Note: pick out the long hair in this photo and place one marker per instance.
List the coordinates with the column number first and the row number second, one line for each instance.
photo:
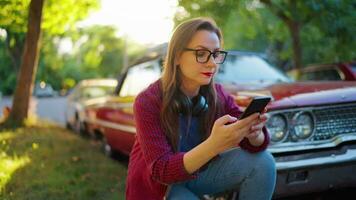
column 171, row 81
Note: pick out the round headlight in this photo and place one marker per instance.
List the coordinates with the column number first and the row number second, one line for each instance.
column 277, row 127
column 303, row 125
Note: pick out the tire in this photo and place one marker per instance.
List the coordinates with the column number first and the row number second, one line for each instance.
column 77, row 125
column 80, row 127
column 98, row 135
column 68, row 126
column 107, row 150
column 84, row 130
column 111, row 153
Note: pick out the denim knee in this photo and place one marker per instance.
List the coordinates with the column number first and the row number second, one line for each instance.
column 266, row 161
column 265, row 168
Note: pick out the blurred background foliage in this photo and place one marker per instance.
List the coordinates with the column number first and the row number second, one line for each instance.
column 69, row 52
column 324, row 32
column 326, row 28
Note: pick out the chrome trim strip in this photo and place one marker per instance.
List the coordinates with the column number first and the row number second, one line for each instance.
column 298, row 146
column 350, row 155
column 126, row 128
column 115, row 106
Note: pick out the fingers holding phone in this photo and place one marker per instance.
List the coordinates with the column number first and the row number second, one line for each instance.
column 227, row 131
column 256, row 129
column 243, row 126
column 257, row 105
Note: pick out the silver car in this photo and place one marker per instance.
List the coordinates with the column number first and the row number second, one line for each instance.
column 86, row 92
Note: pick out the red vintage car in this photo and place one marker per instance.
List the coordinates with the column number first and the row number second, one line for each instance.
column 312, row 124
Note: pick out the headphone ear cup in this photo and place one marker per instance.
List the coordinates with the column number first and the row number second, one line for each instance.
column 182, row 104
column 200, row 105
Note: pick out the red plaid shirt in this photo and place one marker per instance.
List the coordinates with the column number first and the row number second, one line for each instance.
column 153, row 165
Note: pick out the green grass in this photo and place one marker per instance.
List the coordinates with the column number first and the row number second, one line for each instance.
column 49, row 162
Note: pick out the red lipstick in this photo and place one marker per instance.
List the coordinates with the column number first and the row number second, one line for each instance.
column 208, row 74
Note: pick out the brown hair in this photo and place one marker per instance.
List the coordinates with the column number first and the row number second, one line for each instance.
column 171, row 80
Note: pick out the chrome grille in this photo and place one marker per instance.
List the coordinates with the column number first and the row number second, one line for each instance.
column 334, row 121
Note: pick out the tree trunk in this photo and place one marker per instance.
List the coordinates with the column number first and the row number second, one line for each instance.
column 26, row 76
column 294, row 29
column 293, row 26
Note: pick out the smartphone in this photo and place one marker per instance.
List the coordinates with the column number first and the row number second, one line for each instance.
column 257, row 104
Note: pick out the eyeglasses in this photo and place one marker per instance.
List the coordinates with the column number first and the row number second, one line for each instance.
column 203, row 55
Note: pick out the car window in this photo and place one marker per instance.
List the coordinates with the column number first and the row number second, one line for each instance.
column 139, row 77
column 321, row 75
column 248, row 68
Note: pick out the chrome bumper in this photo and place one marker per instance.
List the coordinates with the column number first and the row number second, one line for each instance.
column 315, row 174
column 349, row 156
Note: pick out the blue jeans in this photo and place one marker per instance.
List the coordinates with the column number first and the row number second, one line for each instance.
column 253, row 175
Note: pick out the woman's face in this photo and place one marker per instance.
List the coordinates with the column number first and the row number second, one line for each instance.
column 195, row 74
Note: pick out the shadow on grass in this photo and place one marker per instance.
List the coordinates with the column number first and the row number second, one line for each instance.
column 59, row 165
column 115, row 155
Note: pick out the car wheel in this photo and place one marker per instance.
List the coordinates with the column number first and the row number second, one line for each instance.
column 83, row 130
column 80, row 127
column 68, row 126
column 107, row 148
column 111, row 153
column 98, row 135
column 77, row 125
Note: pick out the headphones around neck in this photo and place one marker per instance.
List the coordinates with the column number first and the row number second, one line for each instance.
column 195, row 106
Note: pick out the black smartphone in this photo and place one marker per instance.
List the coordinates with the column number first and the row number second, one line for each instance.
column 257, row 104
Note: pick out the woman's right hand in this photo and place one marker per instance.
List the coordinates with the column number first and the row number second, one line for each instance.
column 227, row 131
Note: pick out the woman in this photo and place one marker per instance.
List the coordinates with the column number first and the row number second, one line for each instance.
column 187, row 128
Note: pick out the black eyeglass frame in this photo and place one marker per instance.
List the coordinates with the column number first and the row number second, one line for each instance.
column 210, row 53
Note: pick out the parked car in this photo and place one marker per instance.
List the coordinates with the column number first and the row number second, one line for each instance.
column 43, row 89
column 86, row 92
column 328, row 72
column 312, row 124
